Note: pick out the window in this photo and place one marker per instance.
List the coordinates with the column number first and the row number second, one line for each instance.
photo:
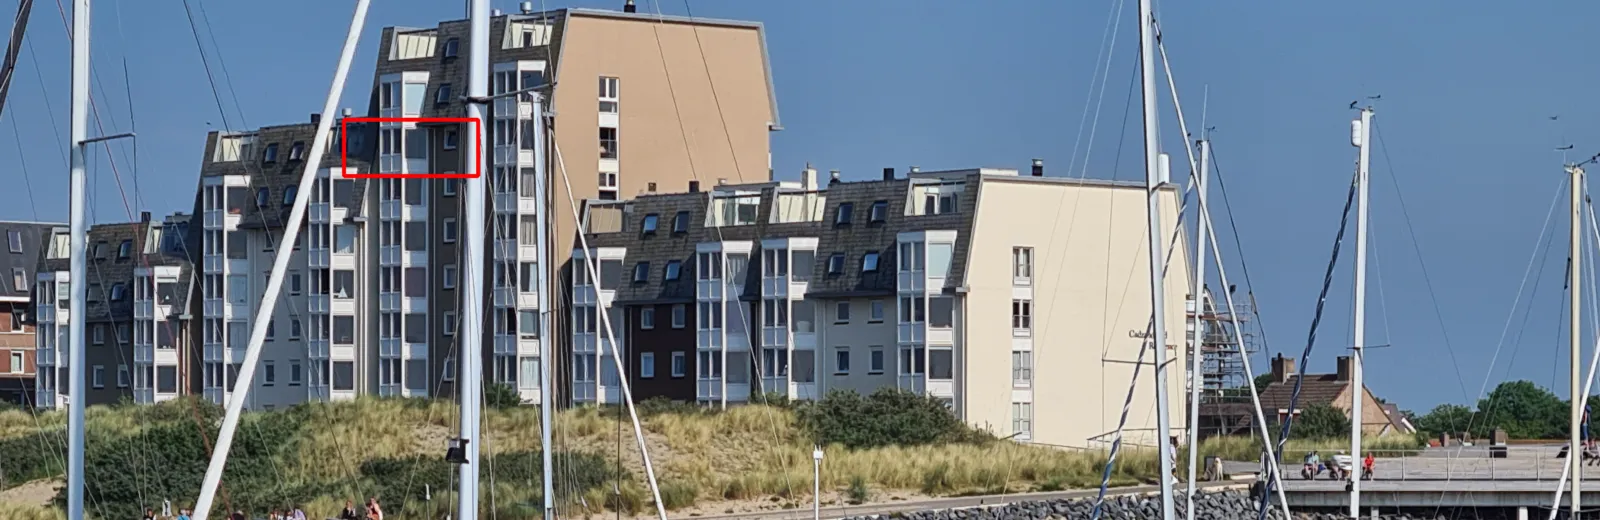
column 841, row 361
column 1021, row 368
column 680, row 222
column 344, row 375
column 528, row 323
column 608, row 180
column 262, row 197
column 123, row 376
column 442, row 97
column 271, row 154
column 288, row 195
column 836, row 264
column 880, row 211
column 842, row 312
column 125, row 249
column 1022, row 264
column 451, row 47
column 674, row 270
column 842, row 218
column 448, row 371
column 941, row 363
column 449, row 188
column 875, row 360
column 452, row 139
column 608, row 95
column 680, row 364
column 296, row 374
column 450, row 231
column 294, row 328
column 913, row 309
column 118, row 292
column 297, row 151
column 449, row 274
column 877, row 312
column 449, row 325
column 641, row 272
column 344, row 330
column 269, row 373
column 99, row 376
column 99, row 334
column 1022, row 317
column 941, row 312
column 678, row 318
column 14, row 239
column 647, row 365
column 608, row 143
column 913, row 360
column 648, row 227
column 869, row 262
column 1022, row 420
column 16, row 362
column 296, row 283
column 647, row 318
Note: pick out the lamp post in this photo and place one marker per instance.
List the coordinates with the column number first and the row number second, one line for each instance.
column 816, row 482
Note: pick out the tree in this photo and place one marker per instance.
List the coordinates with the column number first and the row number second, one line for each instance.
column 500, row 395
column 1320, row 421
column 1445, row 418
column 1262, row 381
column 1524, row 410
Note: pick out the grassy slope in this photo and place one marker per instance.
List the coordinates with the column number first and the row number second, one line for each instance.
column 748, row 454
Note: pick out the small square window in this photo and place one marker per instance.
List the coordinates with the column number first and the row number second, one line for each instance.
column 869, row 262
column 647, row 365
column 263, row 196
column 449, row 275
column 125, row 250
column 674, row 270
column 842, row 313
column 680, row 364
column 649, row 225
column 451, row 47
column 842, row 218
column 679, row 316
column 449, row 325
column 680, row 222
column 641, row 272
column 118, row 292
column 451, row 186
column 288, row 195
column 877, row 312
column 880, row 211
column 836, row 263
column 14, row 239
column 450, row 231
column 875, row 360
column 271, row 154
column 452, row 139
column 297, row 151
column 647, row 318
column 841, row 361
column 443, row 96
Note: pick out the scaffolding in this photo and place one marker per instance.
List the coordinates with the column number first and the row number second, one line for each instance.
column 1222, row 376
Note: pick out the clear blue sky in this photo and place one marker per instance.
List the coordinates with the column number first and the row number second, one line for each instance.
column 1468, row 88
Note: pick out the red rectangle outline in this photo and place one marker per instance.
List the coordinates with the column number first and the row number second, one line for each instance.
column 344, row 147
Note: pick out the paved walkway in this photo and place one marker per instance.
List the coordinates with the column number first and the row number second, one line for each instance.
column 1526, row 463
column 949, row 503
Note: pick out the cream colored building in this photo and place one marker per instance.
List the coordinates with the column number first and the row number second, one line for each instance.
column 1020, row 301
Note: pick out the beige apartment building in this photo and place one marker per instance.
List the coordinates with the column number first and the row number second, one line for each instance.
column 371, row 305
column 1022, row 301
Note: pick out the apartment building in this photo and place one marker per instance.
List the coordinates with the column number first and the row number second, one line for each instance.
column 25, row 244
column 136, row 314
column 992, row 291
column 379, row 315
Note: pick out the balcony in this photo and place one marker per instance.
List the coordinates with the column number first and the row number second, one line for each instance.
column 213, row 307
column 913, row 383
column 144, row 310
column 709, row 389
column 213, row 219
column 213, row 264
column 320, row 213
column 912, row 281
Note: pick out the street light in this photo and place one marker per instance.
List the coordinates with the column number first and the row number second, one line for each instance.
column 816, row 481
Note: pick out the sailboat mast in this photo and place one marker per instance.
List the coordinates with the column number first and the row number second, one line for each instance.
column 1158, row 333
column 472, row 300
column 79, row 275
column 1361, row 137
column 1197, row 336
column 1574, row 452
column 547, row 394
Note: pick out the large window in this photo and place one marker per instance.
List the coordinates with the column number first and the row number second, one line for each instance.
column 608, row 143
column 1021, row 368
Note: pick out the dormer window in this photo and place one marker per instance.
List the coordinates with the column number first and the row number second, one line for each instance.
column 842, row 218
column 118, row 292
column 262, row 197
column 125, row 249
column 649, row 227
column 297, row 151
column 674, row 270
column 880, row 211
column 452, row 139
column 680, row 223
column 641, row 272
column 836, row 264
column 271, row 155
column 452, row 47
column 288, row 195
column 443, row 96
column 869, row 262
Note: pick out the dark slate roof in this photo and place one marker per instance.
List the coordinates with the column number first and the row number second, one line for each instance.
column 35, row 235
column 854, row 240
column 281, row 173
column 107, row 270
column 1318, row 389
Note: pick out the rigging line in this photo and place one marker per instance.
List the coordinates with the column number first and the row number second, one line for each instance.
column 27, row 179
column 1311, row 339
column 49, row 107
column 1383, row 297
column 222, row 62
column 1427, row 279
column 8, row 69
column 1116, row 166
column 1101, row 75
column 210, row 78
column 1238, row 244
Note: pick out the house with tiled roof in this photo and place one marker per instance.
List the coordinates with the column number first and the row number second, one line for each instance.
column 1334, row 390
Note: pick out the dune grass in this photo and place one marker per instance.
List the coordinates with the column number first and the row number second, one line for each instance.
column 1244, row 448
column 746, row 453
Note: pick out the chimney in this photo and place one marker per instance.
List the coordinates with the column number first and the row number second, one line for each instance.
column 629, row 7
column 1282, row 368
column 1345, row 368
column 833, row 177
column 527, row 8
column 888, row 174
column 144, row 216
column 694, row 186
column 1038, row 167
column 914, row 169
column 808, row 178
column 651, row 188
column 494, row 13
column 347, row 112
column 316, row 118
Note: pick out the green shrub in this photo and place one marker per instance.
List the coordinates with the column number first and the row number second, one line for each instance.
column 501, row 396
column 887, row 417
column 678, row 494
column 857, row 492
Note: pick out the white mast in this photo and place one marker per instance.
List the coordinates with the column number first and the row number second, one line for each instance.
column 546, row 389
column 1574, row 452
column 1197, row 336
column 1361, row 137
column 470, row 392
column 1158, row 333
column 280, row 264
column 79, row 276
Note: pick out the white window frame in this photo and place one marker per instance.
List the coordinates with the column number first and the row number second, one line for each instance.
column 841, row 369
column 841, row 312
column 647, row 365
column 680, row 364
column 124, row 376
column 680, row 314
column 449, row 325
column 1021, row 317
column 1022, row 368
column 14, row 239
column 451, row 231
column 99, row 376
column 1022, row 265
column 610, row 95
column 875, row 360
column 1022, row 420
column 647, row 318
column 449, row 274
